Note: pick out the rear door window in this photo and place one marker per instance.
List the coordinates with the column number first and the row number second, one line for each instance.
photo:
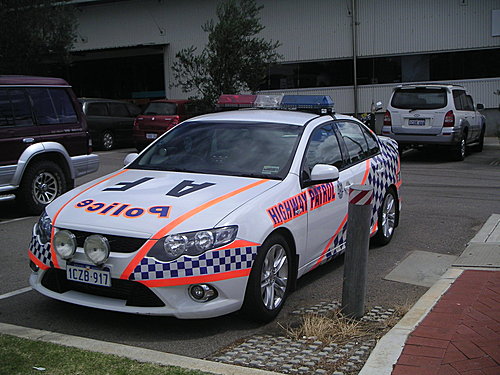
column 52, row 106
column 97, row 109
column 15, row 108
column 118, row 110
column 419, row 98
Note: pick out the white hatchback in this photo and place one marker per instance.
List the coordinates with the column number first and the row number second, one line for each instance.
column 223, row 212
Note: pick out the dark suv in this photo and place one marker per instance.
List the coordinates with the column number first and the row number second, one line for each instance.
column 110, row 122
column 44, row 140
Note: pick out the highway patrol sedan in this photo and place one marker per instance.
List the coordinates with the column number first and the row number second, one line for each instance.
column 222, row 213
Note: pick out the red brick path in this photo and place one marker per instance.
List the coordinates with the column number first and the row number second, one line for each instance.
column 461, row 335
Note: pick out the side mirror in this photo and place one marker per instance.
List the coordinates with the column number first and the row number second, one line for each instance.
column 324, row 173
column 130, row 158
column 479, row 106
column 376, row 107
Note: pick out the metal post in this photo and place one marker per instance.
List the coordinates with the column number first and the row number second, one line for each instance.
column 356, row 254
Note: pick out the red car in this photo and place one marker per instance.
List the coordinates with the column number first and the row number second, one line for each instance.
column 158, row 117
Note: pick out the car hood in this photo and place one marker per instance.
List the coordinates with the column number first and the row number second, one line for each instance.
column 139, row 203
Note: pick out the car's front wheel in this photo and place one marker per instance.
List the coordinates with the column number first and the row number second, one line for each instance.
column 387, row 219
column 269, row 282
column 42, row 182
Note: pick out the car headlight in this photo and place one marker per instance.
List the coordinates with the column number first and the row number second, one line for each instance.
column 97, row 248
column 65, row 243
column 193, row 243
column 43, row 228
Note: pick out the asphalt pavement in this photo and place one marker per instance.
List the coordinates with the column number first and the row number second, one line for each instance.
column 467, row 196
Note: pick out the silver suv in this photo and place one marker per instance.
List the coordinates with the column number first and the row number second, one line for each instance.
column 442, row 115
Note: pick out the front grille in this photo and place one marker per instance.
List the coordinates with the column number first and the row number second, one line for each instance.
column 118, row 244
column 133, row 292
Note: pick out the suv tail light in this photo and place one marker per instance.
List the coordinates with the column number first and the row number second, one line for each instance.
column 449, row 120
column 387, row 119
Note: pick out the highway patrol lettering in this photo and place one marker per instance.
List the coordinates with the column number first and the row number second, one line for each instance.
column 288, row 209
column 320, row 195
column 122, row 209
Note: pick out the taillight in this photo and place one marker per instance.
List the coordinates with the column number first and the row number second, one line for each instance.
column 387, row 119
column 173, row 122
column 136, row 123
column 449, row 120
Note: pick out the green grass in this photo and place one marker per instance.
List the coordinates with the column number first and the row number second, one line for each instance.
column 20, row 356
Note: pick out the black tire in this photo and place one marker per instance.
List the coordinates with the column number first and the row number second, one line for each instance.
column 262, row 303
column 387, row 219
column 459, row 150
column 42, row 182
column 479, row 147
column 107, row 141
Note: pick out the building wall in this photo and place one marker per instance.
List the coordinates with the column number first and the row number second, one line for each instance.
column 308, row 30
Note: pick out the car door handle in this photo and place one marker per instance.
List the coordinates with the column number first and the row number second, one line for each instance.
column 347, row 186
column 380, row 169
column 28, row 140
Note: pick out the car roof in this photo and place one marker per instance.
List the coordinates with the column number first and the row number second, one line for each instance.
column 100, row 100
column 177, row 101
column 21, row 80
column 430, row 85
column 259, row 115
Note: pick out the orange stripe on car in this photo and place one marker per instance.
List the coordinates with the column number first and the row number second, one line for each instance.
column 196, row 279
column 174, row 223
column 367, row 171
column 52, row 250
column 330, row 242
column 37, row 261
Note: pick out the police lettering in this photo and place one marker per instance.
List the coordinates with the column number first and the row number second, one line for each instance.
column 288, row 209
column 320, row 195
column 122, row 209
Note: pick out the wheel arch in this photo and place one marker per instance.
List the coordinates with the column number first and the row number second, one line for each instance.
column 290, row 240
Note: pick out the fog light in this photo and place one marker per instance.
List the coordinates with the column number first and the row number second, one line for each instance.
column 65, row 244
column 33, row 266
column 202, row 292
column 97, row 248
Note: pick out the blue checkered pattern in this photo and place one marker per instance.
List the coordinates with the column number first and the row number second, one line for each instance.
column 388, row 158
column 42, row 252
column 211, row 262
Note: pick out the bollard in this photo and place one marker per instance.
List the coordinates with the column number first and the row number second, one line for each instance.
column 356, row 254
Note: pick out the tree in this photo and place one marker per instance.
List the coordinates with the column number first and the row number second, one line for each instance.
column 35, row 33
column 234, row 59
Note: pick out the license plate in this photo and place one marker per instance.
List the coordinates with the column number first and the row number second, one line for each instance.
column 88, row 274
column 416, row 122
column 151, row 135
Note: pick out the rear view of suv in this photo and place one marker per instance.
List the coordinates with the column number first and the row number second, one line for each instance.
column 44, row 141
column 441, row 115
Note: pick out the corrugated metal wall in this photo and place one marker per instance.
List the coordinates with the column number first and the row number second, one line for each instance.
column 308, row 30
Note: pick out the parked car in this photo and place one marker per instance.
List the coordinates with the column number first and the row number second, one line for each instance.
column 110, row 122
column 439, row 115
column 44, row 140
column 158, row 117
column 224, row 212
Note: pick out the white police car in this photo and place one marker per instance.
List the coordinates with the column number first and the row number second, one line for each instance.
column 223, row 212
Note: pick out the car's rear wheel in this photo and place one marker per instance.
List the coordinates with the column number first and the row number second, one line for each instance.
column 42, row 182
column 480, row 145
column 459, row 150
column 107, row 140
column 387, row 219
column 269, row 282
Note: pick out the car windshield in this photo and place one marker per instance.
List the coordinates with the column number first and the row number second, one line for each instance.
column 235, row 149
column 419, row 98
column 158, row 108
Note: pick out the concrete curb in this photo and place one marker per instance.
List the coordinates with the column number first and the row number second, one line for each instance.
column 138, row 354
column 389, row 348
